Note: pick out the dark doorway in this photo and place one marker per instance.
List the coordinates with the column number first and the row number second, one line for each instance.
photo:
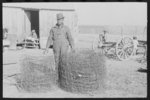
column 35, row 21
column 33, row 17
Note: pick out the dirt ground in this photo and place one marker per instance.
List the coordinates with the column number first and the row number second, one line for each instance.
column 123, row 78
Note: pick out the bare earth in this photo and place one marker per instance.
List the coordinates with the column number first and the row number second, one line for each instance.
column 123, row 78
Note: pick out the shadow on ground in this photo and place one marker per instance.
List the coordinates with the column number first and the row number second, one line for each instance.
column 112, row 57
column 142, row 70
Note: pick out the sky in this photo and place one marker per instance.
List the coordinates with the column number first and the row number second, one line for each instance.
column 111, row 13
column 102, row 13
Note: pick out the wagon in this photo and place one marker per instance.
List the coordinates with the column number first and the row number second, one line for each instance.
column 123, row 48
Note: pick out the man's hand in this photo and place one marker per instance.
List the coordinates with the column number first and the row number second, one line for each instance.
column 45, row 51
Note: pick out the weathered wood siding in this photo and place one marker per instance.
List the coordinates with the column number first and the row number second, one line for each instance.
column 27, row 24
column 13, row 20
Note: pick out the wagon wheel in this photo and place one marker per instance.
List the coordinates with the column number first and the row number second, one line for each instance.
column 124, row 48
column 97, row 45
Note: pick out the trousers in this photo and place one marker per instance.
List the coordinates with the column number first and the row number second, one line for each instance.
column 59, row 48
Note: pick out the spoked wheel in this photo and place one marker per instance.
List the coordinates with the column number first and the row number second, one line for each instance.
column 124, row 48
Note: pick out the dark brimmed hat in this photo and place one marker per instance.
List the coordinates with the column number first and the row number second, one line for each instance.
column 60, row 16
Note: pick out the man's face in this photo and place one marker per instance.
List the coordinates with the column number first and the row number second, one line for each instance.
column 60, row 21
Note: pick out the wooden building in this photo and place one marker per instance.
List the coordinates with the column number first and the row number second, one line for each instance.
column 21, row 18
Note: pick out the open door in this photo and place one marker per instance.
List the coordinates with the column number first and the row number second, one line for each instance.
column 31, row 22
column 27, row 23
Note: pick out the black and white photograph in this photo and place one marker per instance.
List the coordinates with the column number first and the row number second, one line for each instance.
column 74, row 50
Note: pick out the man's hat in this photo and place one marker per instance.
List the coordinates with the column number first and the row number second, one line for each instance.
column 60, row 16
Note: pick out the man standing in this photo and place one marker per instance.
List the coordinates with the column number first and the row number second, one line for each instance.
column 61, row 37
column 102, row 40
column 135, row 43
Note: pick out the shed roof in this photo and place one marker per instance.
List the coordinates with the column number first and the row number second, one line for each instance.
column 39, row 6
